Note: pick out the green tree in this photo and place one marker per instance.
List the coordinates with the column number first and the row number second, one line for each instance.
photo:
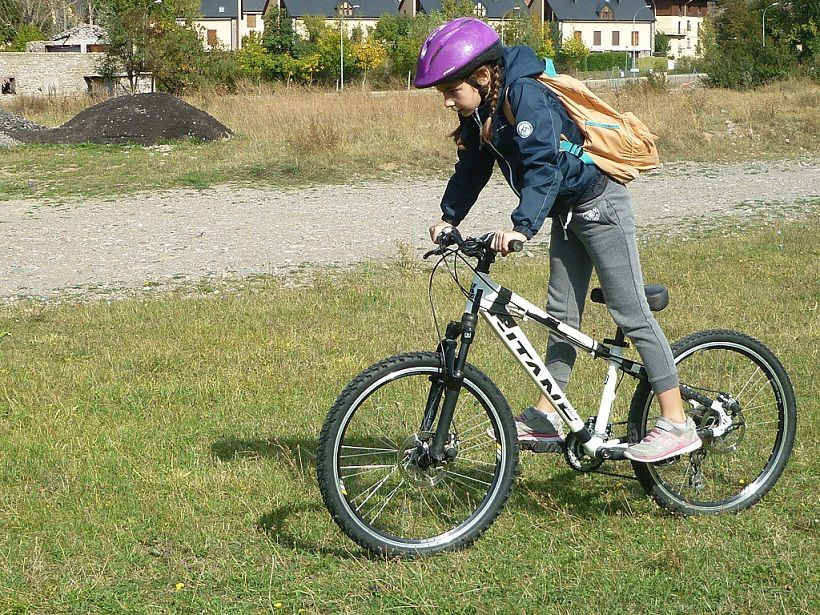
column 519, row 28
column 328, row 48
column 315, row 25
column 406, row 52
column 370, row 53
column 450, row 9
column 10, row 18
column 178, row 61
column 25, row 33
column 279, row 36
column 253, row 59
column 572, row 55
column 733, row 48
column 151, row 36
column 283, row 66
column 661, row 43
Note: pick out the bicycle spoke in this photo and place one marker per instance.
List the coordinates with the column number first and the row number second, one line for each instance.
column 364, row 469
column 465, row 476
column 373, row 489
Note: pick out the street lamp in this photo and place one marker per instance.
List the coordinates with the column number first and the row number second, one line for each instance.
column 515, row 8
column 343, row 7
column 764, row 20
column 646, row 6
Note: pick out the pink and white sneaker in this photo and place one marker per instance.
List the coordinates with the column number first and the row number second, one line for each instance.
column 665, row 441
column 540, row 432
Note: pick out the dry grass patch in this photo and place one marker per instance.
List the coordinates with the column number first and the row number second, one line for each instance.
column 294, row 135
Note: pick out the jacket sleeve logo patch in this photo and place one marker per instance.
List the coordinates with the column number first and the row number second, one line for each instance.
column 524, row 129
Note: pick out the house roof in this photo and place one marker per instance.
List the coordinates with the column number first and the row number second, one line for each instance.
column 329, row 8
column 253, row 6
column 83, row 34
column 210, row 8
column 496, row 9
column 589, row 10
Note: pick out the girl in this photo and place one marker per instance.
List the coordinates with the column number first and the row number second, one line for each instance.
column 592, row 223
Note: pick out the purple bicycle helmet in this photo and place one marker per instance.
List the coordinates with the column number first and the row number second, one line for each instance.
column 454, row 50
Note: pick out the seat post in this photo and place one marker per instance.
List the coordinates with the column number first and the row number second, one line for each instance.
column 619, row 341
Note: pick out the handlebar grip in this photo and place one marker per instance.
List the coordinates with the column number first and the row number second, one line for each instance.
column 516, row 245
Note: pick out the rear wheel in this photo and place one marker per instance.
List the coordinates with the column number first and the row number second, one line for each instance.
column 375, row 472
column 733, row 471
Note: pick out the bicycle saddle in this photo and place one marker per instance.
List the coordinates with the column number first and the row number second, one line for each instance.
column 656, row 295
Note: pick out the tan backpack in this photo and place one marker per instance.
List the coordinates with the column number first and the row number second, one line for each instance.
column 619, row 144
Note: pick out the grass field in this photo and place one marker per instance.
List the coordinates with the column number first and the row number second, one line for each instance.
column 156, row 455
column 296, row 136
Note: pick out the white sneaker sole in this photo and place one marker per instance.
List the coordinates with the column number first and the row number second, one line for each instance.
column 680, row 451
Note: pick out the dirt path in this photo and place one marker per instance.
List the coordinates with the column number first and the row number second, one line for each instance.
column 112, row 248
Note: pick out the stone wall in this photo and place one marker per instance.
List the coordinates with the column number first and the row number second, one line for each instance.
column 56, row 74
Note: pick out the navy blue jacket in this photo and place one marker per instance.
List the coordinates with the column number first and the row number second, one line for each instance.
column 546, row 180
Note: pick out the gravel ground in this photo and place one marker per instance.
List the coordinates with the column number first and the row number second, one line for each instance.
column 79, row 250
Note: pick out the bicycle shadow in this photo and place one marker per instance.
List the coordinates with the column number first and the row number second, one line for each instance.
column 567, row 492
column 285, row 524
column 295, row 453
column 588, row 496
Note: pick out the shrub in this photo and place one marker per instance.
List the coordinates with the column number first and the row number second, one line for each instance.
column 606, row 60
column 658, row 65
column 571, row 56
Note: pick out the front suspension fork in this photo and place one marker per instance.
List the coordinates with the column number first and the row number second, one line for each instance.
column 455, row 357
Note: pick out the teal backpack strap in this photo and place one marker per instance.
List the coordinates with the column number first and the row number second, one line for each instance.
column 576, row 150
column 567, row 146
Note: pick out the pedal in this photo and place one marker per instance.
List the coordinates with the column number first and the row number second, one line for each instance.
column 667, row 462
column 541, row 447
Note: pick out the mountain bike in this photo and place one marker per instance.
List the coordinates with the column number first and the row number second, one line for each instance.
column 419, row 452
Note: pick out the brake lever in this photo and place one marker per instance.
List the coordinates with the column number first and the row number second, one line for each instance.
column 434, row 252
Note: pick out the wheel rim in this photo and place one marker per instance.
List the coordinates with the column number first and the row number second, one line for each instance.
column 733, row 468
column 393, row 498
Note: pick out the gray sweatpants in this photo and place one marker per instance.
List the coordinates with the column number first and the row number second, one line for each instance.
column 601, row 234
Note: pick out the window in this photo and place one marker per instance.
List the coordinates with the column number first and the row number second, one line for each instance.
column 616, row 39
column 221, row 9
column 688, row 26
column 680, row 27
column 480, row 10
column 346, row 9
column 688, row 43
column 577, row 35
column 606, row 12
column 635, row 38
column 251, row 21
column 596, row 38
column 212, row 38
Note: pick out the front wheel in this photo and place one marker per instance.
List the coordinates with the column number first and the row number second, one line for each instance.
column 756, row 412
column 375, row 473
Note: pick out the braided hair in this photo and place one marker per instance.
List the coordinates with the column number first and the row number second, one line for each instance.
column 489, row 98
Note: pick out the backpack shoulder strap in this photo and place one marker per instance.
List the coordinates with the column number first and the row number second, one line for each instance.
column 565, row 145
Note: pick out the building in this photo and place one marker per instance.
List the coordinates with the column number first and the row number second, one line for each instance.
column 224, row 23
column 602, row 25
column 86, row 38
column 681, row 21
column 365, row 14
column 68, row 64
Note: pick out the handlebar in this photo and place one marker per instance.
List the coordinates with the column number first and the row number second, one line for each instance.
column 471, row 246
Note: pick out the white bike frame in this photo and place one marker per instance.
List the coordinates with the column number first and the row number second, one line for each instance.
column 497, row 305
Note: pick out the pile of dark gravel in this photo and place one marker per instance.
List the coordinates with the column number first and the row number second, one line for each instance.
column 143, row 119
column 9, row 121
